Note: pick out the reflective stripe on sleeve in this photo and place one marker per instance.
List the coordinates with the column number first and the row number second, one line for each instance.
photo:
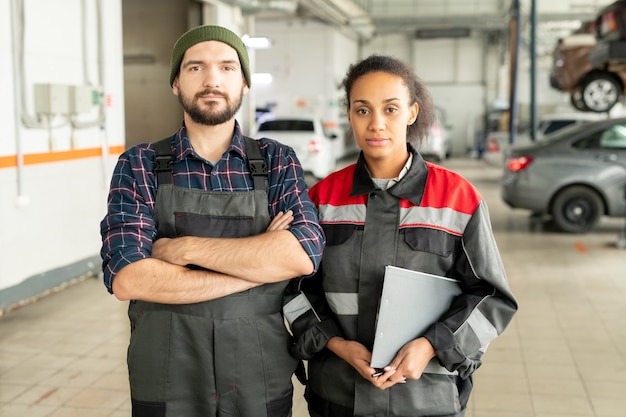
column 434, row 367
column 482, row 328
column 297, row 307
column 343, row 303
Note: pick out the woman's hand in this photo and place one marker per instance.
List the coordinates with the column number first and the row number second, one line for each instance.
column 359, row 358
column 413, row 358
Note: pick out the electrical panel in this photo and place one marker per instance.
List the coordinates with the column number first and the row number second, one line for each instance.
column 81, row 98
column 58, row 99
column 51, row 99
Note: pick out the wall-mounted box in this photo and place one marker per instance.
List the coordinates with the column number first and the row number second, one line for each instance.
column 51, row 99
column 82, row 98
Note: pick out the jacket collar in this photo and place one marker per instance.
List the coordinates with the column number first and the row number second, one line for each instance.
column 410, row 187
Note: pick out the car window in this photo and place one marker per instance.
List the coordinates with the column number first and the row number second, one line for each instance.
column 615, row 137
column 287, row 124
column 548, row 127
column 561, row 133
column 589, row 142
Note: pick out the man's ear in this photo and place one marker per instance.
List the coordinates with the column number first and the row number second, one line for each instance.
column 175, row 86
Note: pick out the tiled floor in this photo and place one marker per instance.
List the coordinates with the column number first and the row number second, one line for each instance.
column 564, row 355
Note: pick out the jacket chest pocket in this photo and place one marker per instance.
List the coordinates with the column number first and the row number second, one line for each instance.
column 343, row 252
column 427, row 250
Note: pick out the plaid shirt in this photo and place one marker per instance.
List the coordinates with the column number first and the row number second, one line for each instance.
column 128, row 229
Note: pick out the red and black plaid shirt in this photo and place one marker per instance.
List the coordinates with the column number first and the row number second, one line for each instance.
column 128, row 229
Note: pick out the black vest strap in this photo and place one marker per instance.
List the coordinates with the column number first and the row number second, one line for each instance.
column 163, row 161
column 256, row 163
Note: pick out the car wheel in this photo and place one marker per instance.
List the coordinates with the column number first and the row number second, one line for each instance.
column 577, row 101
column 600, row 92
column 576, row 209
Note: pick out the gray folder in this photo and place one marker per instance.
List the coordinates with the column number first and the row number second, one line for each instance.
column 411, row 302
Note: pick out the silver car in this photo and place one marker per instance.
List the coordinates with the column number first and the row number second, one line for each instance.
column 575, row 175
column 497, row 142
column 307, row 136
column 438, row 145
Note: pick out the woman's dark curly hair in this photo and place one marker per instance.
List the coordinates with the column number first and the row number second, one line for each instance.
column 418, row 93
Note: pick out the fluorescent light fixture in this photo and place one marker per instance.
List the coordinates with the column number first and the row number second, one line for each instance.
column 262, row 78
column 257, row 42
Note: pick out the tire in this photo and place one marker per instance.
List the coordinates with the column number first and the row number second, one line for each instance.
column 576, row 209
column 577, row 102
column 600, row 92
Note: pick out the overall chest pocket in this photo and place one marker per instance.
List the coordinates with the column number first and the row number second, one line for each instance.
column 205, row 225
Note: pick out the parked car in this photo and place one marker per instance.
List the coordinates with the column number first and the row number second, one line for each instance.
column 575, row 176
column 595, row 88
column 497, row 142
column 306, row 135
column 438, row 144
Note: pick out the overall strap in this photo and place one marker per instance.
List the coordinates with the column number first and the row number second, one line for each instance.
column 256, row 163
column 163, row 161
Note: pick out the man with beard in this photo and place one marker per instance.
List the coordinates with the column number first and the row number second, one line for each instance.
column 203, row 231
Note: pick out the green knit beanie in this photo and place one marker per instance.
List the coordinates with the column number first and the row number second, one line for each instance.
column 208, row 33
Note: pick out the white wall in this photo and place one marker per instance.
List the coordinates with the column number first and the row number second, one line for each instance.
column 455, row 72
column 54, row 178
column 308, row 61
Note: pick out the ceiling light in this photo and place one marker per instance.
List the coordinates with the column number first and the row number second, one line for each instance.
column 262, row 78
column 256, row 42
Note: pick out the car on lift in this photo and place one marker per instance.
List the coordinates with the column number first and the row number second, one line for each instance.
column 610, row 32
column 595, row 88
column 573, row 177
column 314, row 146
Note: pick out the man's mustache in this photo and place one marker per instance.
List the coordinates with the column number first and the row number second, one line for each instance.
column 212, row 92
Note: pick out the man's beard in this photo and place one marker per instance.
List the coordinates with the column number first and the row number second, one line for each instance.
column 210, row 117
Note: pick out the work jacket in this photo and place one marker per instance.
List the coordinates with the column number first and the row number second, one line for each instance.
column 432, row 220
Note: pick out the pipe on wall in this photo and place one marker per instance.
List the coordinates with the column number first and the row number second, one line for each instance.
column 22, row 198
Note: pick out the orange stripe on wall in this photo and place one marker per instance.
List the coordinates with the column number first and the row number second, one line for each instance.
column 10, row 161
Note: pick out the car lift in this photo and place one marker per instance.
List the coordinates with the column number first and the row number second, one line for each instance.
column 621, row 239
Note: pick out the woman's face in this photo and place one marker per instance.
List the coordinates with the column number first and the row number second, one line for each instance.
column 379, row 114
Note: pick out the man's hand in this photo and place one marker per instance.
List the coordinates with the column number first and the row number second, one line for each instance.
column 281, row 221
column 163, row 278
column 173, row 250
column 169, row 250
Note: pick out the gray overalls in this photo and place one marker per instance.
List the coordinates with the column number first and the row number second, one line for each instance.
column 225, row 357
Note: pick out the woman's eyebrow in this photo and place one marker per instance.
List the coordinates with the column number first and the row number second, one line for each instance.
column 387, row 100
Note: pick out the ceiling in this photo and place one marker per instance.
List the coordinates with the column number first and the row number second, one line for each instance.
column 367, row 18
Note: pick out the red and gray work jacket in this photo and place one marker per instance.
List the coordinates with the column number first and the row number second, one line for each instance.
column 432, row 220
